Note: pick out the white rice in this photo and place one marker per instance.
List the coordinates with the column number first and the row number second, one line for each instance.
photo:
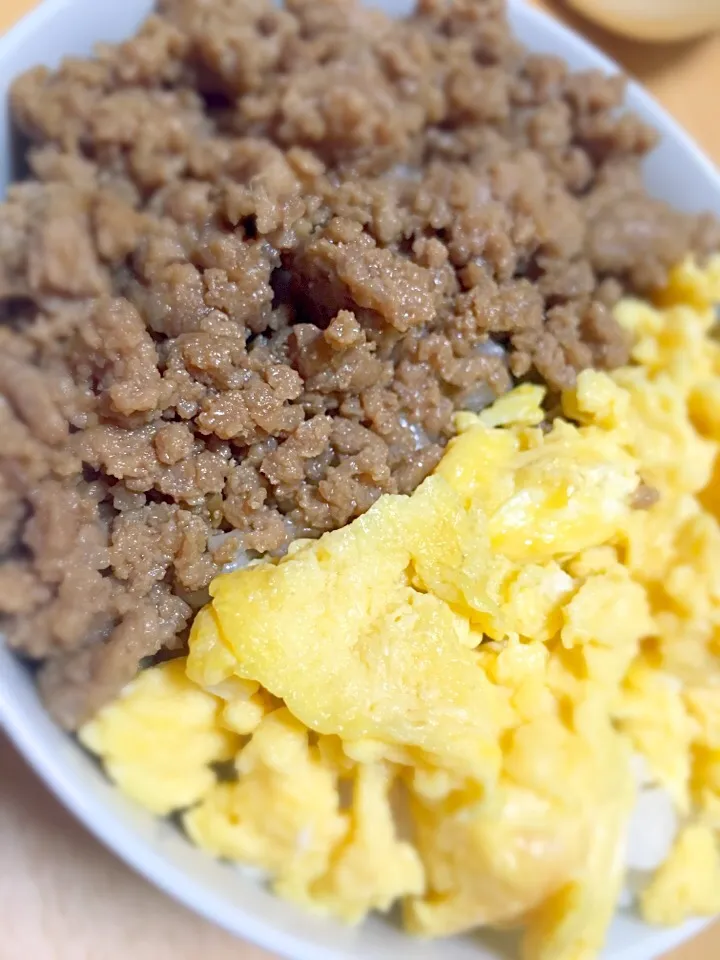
column 242, row 557
column 420, row 437
column 651, row 833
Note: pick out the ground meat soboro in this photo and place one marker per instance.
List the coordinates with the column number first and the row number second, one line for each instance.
column 263, row 256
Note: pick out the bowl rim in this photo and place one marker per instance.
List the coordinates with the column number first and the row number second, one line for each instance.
column 50, row 765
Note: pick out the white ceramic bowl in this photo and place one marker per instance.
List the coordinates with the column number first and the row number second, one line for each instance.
column 677, row 172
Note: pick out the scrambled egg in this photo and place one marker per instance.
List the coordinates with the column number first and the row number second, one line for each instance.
column 160, row 737
column 688, row 881
column 440, row 703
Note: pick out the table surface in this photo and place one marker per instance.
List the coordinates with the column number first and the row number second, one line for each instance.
column 63, row 896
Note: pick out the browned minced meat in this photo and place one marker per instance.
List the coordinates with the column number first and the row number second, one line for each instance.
column 263, row 256
column 645, row 497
